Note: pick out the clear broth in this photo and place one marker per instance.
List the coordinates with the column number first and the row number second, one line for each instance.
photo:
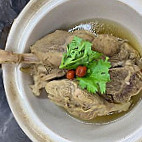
column 103, row 26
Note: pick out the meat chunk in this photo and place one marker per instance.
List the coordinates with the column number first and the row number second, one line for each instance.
column 126, row 53
column 80, row 103
column 42, row 75
column 125, row 83
column 106, row 44
column 139, row 63
column 50, row 48
column 85, row 35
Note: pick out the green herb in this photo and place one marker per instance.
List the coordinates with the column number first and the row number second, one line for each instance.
column 78, row 53
column 97, row 76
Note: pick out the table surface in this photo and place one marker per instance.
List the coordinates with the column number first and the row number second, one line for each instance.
column 9, row 129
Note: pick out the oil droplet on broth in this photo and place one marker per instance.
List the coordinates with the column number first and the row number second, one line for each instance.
column 103, row 26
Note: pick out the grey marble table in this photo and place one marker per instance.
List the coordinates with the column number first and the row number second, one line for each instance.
column 9, row 129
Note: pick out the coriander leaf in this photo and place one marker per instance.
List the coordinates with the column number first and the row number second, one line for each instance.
column 79, row 52
column 102, row 86
column 87, row 83
column 97, row 76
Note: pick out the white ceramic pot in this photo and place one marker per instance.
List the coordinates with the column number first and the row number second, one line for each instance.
column 40, row 119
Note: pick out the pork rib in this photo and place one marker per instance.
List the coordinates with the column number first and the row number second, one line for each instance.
column 10, row 57
column 80, row 103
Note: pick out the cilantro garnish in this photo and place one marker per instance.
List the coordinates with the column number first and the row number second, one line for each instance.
column 79, row 52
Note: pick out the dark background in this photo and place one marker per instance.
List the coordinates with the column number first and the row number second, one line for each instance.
column 9, row 129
